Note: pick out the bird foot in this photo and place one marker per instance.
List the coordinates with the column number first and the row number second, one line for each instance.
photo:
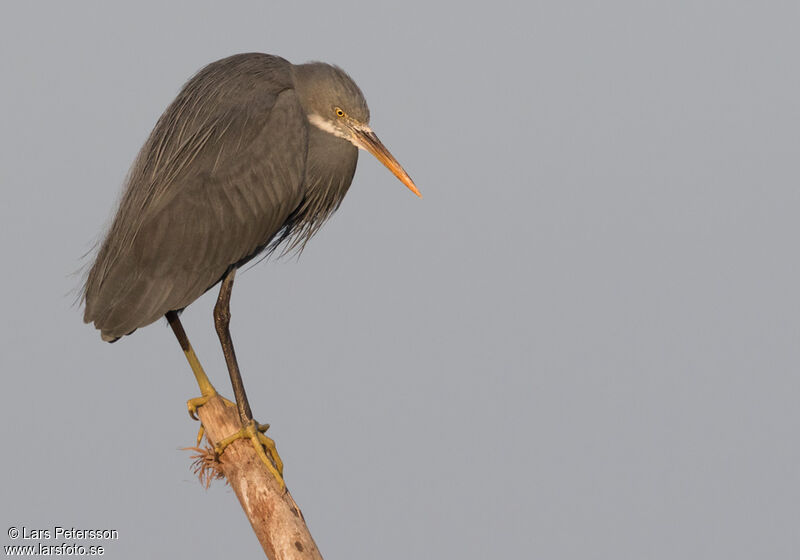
column 261, row 443
column 197, row 402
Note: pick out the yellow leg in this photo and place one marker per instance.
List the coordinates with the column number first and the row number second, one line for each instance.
column 252, row 430
column 207, row 390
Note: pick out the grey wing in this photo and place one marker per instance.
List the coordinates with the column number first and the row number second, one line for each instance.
column 213, row 185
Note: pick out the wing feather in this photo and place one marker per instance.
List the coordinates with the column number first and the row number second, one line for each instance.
column 215, row 182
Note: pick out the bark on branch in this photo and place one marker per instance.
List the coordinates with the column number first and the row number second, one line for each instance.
column 272, row 512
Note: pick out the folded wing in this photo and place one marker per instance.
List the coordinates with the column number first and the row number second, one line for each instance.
column 214, row 183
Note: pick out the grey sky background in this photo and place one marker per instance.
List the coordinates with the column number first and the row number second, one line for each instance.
column 582, row 343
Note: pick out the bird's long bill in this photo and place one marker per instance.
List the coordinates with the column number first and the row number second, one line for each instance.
column 369, row 141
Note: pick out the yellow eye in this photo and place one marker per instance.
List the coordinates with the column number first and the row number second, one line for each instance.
column 339, row 112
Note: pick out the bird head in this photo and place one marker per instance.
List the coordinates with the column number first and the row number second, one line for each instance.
column 334, row 103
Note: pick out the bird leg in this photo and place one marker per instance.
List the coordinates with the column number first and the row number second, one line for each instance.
column 250, row 428
column 206, row 388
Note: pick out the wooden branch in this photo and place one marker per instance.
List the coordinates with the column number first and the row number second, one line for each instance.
column 272, row 512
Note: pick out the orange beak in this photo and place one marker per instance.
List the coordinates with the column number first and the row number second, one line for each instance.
column 367, row 140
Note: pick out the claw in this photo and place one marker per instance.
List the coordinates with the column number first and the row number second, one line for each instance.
column 255, row 433
column 197, row 402
column 269, row 444
column 193, row 404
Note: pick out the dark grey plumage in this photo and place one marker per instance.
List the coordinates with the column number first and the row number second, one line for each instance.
column 233, row 167
column 253, row 153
